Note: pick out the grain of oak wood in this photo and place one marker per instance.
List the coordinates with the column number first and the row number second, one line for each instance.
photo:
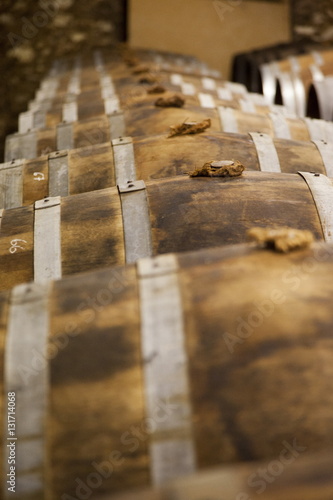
column 92, row 167
column 270, row 384
column 183, row 214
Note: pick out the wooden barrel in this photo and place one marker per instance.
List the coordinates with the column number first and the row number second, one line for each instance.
column 284, row 72
column 56, row 236
column 293, row 83
column 144, row 373
column 92, row 104
column 294, row 477
column 246, row 66
column 86, row 84
column 128, row 93
column 145, row 120
column 101, row 166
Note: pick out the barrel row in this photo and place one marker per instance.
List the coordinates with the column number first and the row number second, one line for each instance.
column 56, row 236
column 136, row 370
column 108, row 95
column 91, row 168
column 105, row 101
column 288, row 82
column 246, row 67
column 152, row 120
column 157, row 346
column 82, row 79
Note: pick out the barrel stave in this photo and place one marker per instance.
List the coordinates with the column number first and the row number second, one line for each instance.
column 293, row 155
column 281, row 359
column 104, row 389
column 91, row 231
column 17, row 246
column 206, row 212
column 35, row 180
column 272, row 333
column 91, row 168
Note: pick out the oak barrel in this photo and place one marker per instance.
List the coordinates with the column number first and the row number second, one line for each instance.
column 100, row 166
column 293, row 85
column 149, row 119
column 246, row 66
column 140, row 374
column 57, row 236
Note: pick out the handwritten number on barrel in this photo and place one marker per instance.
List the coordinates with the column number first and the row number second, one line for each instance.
column 15, row 244
column 39, row 176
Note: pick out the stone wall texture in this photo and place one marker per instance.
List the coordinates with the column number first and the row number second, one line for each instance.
column 34, row 34
column 313, row 19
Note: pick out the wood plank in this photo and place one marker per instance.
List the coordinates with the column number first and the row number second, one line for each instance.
column 294, row 155
column 91, row 231
column 11, row 184
column 91, row 132
column 46, row 142
column 159, row 157
column 16, row 247
column 188, row 213
column 91, row 168
column 35, row 180
column 153, row 121
column 262, row 339
column 97, row 403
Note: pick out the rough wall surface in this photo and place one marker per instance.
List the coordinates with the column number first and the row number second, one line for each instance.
column 33, row 34
column 212, row 30
column 313, row 20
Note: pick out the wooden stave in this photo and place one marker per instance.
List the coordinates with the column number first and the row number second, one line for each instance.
column 87, row 79
column 155, row 157
column 135, row 95
column 80, row 413
column 151, row 120
column 182, row 214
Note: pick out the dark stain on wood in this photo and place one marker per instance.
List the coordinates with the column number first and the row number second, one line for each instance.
column 92, row 232
column 16, row 247
column 188, row 214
